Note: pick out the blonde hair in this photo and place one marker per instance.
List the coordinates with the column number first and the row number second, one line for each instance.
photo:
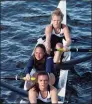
column 57, row 12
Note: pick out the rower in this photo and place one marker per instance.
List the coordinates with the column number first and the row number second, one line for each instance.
column 42, row 92
column 55, row 33
column 39, row 61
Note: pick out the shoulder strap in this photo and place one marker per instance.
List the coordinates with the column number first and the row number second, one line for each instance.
column 61, row 26
column 49, row 88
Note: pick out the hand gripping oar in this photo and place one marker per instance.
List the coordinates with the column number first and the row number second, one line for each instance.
column 18, row 78
column 74, row 50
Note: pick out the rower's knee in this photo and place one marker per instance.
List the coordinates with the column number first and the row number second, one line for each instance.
column 59, row 45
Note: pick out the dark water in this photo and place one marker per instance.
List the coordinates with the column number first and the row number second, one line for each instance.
column 22, row 22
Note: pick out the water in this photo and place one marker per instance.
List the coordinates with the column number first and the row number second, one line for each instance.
column 22, row 22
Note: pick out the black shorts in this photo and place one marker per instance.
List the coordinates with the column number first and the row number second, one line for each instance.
column 54, row 40
column 41, row 102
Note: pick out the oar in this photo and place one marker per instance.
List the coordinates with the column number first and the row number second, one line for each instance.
column 18, row 78
column 15, row 89
column 51, row 78
column 74, row 50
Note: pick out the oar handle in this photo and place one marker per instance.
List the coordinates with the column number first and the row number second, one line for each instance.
column 60, row 49
column 32, row 78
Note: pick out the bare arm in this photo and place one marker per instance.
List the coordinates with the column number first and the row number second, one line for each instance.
column 32, row 96
column 54, row 95
column 67, row 35
column 48, row 31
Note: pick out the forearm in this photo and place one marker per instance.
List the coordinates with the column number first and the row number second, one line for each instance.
column 68, row 43
column 49, row 65
column 48, row 37
column 48, row 34
column 67, row 36
column 29, row 65
column 28, row 70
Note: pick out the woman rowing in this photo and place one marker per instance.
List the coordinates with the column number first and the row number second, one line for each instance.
column 42, row 92
column 55, row 33
column 39, row 61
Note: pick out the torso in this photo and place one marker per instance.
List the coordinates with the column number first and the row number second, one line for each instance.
column 46, row 99
column 58, row 33
column 40, row 65
column 44, row 96
column 56, row 37
column 44, row 65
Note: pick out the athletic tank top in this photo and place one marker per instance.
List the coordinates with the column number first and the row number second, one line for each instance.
column 47, row 99
column 58, row 34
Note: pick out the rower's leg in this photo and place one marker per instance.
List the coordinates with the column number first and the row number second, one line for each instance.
column 57, row 54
